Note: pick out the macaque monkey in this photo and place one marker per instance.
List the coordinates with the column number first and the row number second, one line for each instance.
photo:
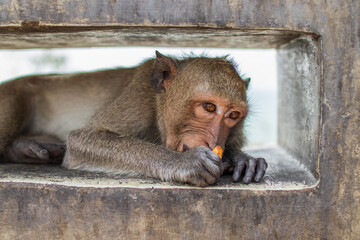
column 160, row 119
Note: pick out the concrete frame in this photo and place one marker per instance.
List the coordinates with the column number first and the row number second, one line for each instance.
column 318, row 55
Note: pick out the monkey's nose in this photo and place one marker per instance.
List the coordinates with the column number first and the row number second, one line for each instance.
column 185, row 148
column 211, row 144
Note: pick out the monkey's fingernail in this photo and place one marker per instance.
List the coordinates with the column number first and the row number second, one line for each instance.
column 247, row 180
column 43, row 152
column 236, row 177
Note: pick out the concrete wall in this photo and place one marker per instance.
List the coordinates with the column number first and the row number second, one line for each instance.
column 299, row 101
column 326, row 139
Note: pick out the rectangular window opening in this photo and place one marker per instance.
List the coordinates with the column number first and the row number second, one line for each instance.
column 284, row 95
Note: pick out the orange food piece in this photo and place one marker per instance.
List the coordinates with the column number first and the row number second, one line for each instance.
column 218, row 151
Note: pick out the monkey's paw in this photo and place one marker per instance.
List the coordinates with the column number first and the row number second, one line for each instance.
column 252, row 169
column 29, row 151
column 200, row 167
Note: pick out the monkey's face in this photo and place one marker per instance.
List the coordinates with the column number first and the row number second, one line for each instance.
column 202, row 99
column 208, row 121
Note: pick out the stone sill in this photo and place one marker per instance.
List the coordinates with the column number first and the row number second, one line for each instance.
column 284, row 173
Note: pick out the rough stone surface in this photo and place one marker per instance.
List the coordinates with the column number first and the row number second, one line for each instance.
column 284, row 173
column 61, row 37
column 299, row 100
column 330, row 210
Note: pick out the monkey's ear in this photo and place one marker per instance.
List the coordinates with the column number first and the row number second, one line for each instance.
column 246, row 82
column 164, row 71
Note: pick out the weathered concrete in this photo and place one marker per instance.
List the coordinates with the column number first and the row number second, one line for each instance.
column 284, row 173
column 49, row 24
column 60, row 37
column 328, row 210
column 299, row 100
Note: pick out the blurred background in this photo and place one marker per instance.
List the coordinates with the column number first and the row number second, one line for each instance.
column 259, row 65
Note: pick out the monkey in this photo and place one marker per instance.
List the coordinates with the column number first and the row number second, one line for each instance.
column 160, row 119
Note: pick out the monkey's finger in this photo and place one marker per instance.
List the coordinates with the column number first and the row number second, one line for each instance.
column 260, row 169
column 231, row 169
column 55, row 150
column 214, row 157
column 210, row 180
column 214, row 168
column 250, row 171
column 213, row 164
column 238, row 170
column 197, row 181
column 38, row 151
column 226, row 163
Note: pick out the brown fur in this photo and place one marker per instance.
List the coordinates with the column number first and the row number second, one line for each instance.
column 126, row 120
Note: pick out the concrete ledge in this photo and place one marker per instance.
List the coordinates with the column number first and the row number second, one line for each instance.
column 47, row 211
column 48, row 202
column 52, row 36
column 284, row 173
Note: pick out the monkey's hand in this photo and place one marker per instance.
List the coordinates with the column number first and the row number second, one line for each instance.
column 241, row 164
column 199, row 166
column 29, row 151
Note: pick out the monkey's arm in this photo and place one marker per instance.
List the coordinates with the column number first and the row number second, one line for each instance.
column 103, row 151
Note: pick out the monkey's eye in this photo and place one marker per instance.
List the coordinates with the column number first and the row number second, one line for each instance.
column 234, row 115
column 209, row 107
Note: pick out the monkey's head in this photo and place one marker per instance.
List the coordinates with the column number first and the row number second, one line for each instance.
column 199, row 101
